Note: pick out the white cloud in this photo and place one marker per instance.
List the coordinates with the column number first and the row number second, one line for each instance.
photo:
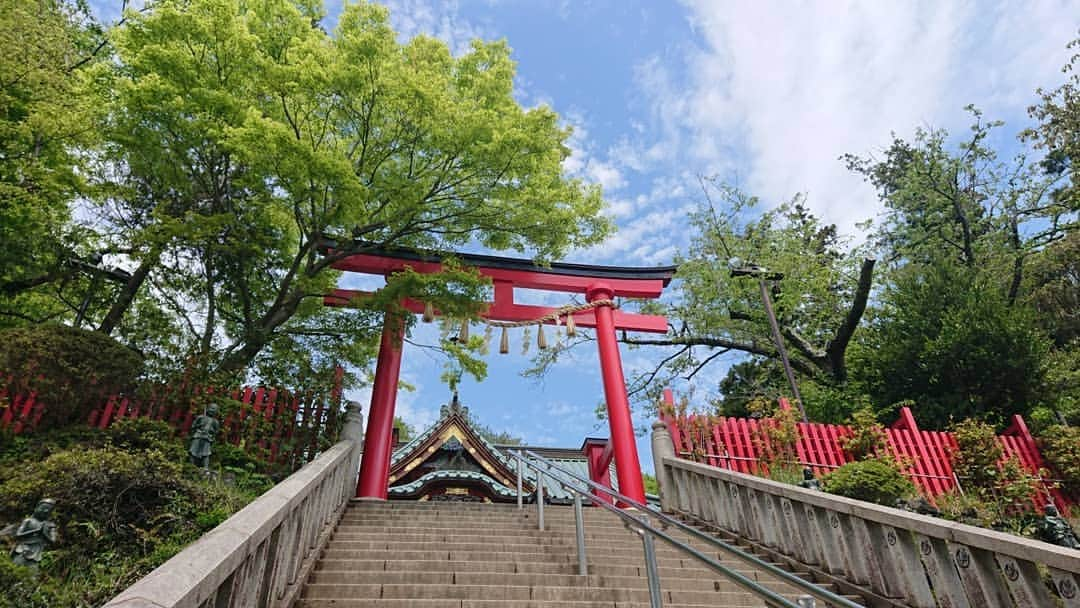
column 790, row 87
column 441, row 19
column 583, row 161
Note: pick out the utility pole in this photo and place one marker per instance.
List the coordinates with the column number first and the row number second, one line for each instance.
column 763, row 275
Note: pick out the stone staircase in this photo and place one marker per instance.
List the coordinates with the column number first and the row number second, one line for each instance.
column 468, row 555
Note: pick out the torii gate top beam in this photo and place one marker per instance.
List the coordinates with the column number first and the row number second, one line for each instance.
column 508, row 273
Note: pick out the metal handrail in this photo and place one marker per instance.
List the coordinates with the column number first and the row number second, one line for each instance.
column 642, row 527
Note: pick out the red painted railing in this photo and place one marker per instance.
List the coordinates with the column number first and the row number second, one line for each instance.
column 284, row 427
column 737, row 443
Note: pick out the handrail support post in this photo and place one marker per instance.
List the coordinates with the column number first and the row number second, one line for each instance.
column 651, row 571
column 540, row 498
column 520, row 466
column 579, row 523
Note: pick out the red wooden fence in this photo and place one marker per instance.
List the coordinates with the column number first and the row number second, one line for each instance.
column 729, row 443
column 283, row 427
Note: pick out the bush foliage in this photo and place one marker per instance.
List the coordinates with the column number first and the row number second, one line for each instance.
column 1060, row 445
column 999, row 492
column 875, row 480
column 127, row 500
column 71, row 369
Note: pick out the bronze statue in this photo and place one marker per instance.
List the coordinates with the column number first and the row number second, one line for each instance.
column 809, row 481
column 33, row 535
column 203, row 432
column 1054, row 529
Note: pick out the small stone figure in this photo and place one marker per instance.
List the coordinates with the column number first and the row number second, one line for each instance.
column 33, row 535
column 203, row 432
column 809, row 481
column 1054, row 529
column 918, row 505
column 922, row 506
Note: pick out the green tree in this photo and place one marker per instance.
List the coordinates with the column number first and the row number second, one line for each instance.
column 1053, row 288
column 953, row 330
column 964, row 206
column 1058, row 113
column 42, row 127
column 254, row 151
column 497, row 437
column 818, row 303
column 954, row 346
column 651, row 485
column 748, row 383
column 405, row 430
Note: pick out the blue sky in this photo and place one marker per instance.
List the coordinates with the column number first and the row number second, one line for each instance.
column 766, row 95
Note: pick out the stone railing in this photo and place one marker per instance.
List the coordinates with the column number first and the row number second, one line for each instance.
column 921, row 561
column 260, row 557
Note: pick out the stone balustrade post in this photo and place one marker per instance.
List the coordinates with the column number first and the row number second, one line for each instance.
column 353, row 430
column 663, row 447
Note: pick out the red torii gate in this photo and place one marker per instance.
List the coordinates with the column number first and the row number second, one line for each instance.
column 598, row 283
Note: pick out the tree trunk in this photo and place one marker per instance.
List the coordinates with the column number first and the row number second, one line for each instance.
column 127, row 295
column 240, row 356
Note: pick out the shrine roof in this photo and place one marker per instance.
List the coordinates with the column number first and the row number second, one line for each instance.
column 416, row 485
column 454, row 414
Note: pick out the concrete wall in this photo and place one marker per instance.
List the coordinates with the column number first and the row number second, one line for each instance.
column 259, row 557
column 921, row 561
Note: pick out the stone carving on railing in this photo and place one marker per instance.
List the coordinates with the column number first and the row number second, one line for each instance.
column 261, row 556
column 920, row 561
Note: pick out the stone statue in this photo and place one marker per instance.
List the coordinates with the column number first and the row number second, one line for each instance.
column 203, row 432
column 33, row 535
column 1054, row 529
column 809, row 481
column 918, row 505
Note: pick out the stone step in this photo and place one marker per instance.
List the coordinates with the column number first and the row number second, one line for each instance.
column 682, row 570
column 687, row 580
column 505, row 520
column 453, row 535
column 564, row 546
column 445, row 603
column 506, row 592
column 552, row 511
column 475, row 528
column 549, row 511
column 624, row 542
column 664, row 559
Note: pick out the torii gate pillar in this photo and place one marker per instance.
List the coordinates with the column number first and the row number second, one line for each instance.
column 624, row 445
column 375, row 464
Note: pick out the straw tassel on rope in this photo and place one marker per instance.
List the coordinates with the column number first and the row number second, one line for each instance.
column 541, row 339
column 463, row 335
column 429, row 312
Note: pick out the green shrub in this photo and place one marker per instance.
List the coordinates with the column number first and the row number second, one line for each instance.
column 1060, row 445
column 1006, row 487
column 874, row 480
column 135, row 434
column 867, row 438
column 127, row 501
column 71, row 369
column 103, row 494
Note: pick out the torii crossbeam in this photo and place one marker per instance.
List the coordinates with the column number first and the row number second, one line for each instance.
column 597, row 283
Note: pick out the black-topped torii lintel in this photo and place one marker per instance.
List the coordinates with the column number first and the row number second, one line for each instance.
column 509, row 273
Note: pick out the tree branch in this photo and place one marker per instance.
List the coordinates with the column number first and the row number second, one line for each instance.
column 838, row 345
